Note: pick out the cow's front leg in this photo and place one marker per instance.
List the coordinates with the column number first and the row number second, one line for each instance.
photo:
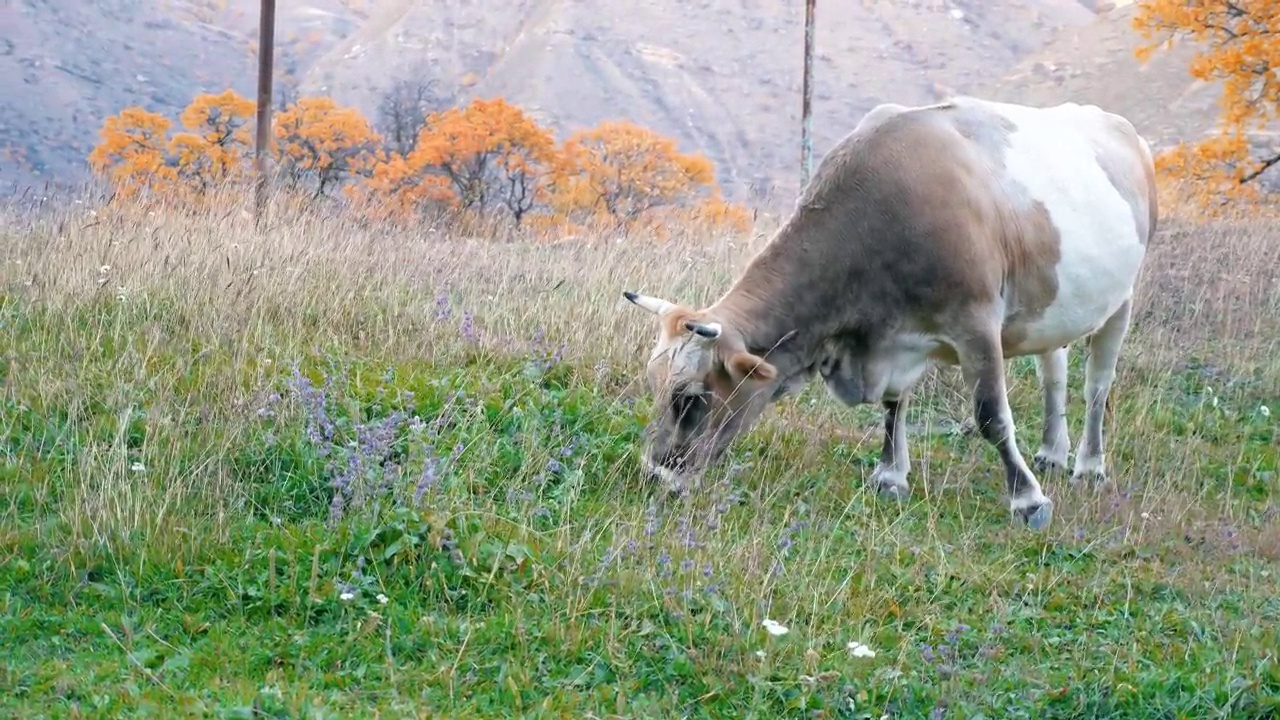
column 983, row 365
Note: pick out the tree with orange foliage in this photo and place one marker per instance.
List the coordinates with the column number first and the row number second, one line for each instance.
column 399, row 190
column 1243, row 41
column 491, row 152
column 319, row 140
column 720, row 213
column 218, row 141
column 624, row 170
column 131, row 154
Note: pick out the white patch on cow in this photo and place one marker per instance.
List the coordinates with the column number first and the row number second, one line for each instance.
column 691, row 357
column 897, row 365
column 1051, row 156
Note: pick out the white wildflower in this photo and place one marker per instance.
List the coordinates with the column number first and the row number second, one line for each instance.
column 774, row 628
column 137, row 466
column 347, row 596
column 760, row 654
column 382, row 598
column 1266, row 411
column 857, row 649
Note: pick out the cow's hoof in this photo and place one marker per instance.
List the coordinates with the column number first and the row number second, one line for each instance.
column 1043, row 464
column 1037, row 516
column 893, row 491
column 890, row 483
column 1089, row 476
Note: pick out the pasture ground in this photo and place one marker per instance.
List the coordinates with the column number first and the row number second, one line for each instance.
column 180, row 399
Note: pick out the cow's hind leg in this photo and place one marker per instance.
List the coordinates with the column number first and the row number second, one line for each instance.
column 1055, row 443
column 890, row 475
column 982, row 362
column 1100, row 371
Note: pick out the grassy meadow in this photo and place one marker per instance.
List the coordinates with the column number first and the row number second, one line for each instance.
column 338, row 471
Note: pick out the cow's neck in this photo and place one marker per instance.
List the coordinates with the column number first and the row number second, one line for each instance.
column 792, row 288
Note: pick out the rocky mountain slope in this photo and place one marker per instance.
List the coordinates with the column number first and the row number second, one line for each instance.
column 1096, row 64
column 722, row 76
column 67, row 64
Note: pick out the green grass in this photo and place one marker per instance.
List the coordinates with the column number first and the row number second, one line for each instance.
column 170, row 548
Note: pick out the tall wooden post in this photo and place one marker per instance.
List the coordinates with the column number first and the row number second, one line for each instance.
column 266, row 53
column 806, row 106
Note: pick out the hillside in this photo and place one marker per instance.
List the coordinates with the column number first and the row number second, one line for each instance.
column 1096, row 64
column 722, row 76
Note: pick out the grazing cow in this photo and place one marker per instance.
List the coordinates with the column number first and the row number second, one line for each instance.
column 963, row 232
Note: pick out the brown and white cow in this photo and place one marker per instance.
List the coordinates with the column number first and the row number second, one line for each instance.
column 964, row 233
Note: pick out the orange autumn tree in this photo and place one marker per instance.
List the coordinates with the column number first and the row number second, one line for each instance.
column 131, row 154
column 218, row 142
column 622, row 170
column 1242, row 39
column 398, row 190
column 321, row 142
column 492, row 153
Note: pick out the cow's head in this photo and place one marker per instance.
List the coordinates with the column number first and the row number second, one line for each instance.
column 707, row 387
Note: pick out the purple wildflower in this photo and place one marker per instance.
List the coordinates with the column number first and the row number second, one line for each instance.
column 268, row 408
column 469, row 327
column 651, row 522
column 443, row 310
column 427, row 480
column 926, row 651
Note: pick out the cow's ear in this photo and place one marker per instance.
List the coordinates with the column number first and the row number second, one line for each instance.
column 743, row 365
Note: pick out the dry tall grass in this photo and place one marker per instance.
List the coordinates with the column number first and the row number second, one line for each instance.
column 1209, row 296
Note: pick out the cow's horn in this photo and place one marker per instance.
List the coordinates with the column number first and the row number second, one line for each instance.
column 710, row 331
column 654, row 305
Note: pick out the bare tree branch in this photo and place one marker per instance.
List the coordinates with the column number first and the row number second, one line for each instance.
column 1266, row 165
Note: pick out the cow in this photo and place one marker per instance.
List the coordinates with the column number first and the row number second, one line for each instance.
column 962, row 232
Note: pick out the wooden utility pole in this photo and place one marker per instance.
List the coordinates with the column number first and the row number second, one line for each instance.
column 266, row 53
column 806, row 106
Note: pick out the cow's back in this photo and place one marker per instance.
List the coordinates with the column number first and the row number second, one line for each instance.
column 923, row 212
column 1077, row 183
